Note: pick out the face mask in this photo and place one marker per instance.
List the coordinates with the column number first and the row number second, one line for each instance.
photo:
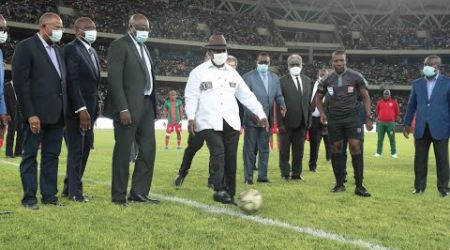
column 220, row 58
column 141, row 36
column 429, row 71
column 262, row 68
column 295, row 71
column 90, row 36
column 56, row 36
column 3, row 36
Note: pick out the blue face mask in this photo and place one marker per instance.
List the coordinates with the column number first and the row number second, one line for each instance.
column 429, row 71
column 262, row 68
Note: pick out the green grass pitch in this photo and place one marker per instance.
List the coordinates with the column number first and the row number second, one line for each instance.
column 392, row 217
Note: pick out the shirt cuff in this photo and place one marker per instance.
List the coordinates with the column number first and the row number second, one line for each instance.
column 124, row 110
column 80, row 109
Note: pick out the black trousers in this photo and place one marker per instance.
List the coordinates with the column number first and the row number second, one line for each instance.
column 143, row 132
column 78, row 146
column 222, row 147
column 194, row 144
column 422, row 146
column 14, row 128
column 315, row 136
column 294, row 138
column 50, row 140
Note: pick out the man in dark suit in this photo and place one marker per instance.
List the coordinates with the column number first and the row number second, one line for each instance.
column 131, row 103
column 15, row 124
column 296, row 89
column 430, row 101
column 266, row 87
column 39, row 75
column 83, row 79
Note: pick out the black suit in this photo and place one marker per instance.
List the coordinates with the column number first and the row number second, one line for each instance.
column 127, row 78
column 83, row 79
column 41, row 92
column 15, row 125
column 296, row 121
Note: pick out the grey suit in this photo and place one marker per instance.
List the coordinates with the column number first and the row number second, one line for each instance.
column 127, row 76
column 255, row 135
column 296, row 121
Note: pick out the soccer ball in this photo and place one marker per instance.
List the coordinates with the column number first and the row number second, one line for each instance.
column 250, row 201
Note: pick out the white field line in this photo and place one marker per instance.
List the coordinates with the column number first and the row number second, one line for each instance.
column 258, row 219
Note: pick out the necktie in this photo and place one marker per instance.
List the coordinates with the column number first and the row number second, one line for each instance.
column 147, row 84
column 299, row 86
column 94, row 61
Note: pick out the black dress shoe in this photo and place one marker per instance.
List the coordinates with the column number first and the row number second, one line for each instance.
column 362, row 191
column 285, row 178
column 151, row 200
column 297, row 177
column 10, row 156
column 33, row 206
column 222, row 197
column 263, row 180
column 444, row 194
column 248, row 182
column 141, row 198
column 338, row 188
column 313, row 170
column 178, row 181
column 53, row 203
column 418, row 191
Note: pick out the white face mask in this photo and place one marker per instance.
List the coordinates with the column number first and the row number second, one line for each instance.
column 220, row 58
column 295, row 71
column 90, row 36
column 3, row 36
column 56, row 36
column 141, row 36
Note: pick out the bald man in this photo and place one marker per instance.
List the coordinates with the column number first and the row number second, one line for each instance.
column 39, row 75
column 131, row 103
column 83, row 79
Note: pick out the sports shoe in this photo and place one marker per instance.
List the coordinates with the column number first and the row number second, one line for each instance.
column 377, row 155
column 394, row 156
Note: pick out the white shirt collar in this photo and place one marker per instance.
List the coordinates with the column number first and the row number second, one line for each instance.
column 211, row 65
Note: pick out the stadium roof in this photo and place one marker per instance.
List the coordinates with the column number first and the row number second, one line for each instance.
column 418, row 13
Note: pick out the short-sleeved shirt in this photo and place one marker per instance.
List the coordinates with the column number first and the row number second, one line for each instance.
column 173, row 109
column 342, row 91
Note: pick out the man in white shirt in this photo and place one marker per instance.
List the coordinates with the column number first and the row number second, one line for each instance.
column 212, row 110
column 316, row 129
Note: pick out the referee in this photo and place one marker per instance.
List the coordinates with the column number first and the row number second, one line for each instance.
column 343, row 86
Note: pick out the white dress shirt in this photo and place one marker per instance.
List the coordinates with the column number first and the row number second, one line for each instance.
column 147, row 63
column 316, row 112
column 294, row 78
column 210, row 97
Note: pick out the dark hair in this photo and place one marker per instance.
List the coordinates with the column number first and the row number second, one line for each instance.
column 263, row 53
column 338, row 52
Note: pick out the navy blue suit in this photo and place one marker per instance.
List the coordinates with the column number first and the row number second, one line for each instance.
column 432, row 126
column 256, row 136
column 41, row 92
column 83, row 79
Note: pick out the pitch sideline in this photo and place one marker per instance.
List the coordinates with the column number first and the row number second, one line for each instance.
column 255, row 218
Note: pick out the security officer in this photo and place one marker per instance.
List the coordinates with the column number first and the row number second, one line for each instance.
column 212, row 110
column 343, row 120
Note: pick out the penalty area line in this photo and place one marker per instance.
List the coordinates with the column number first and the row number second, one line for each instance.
column 317, row 233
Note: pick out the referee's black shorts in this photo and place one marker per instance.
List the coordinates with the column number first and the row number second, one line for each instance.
column 349, row 128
